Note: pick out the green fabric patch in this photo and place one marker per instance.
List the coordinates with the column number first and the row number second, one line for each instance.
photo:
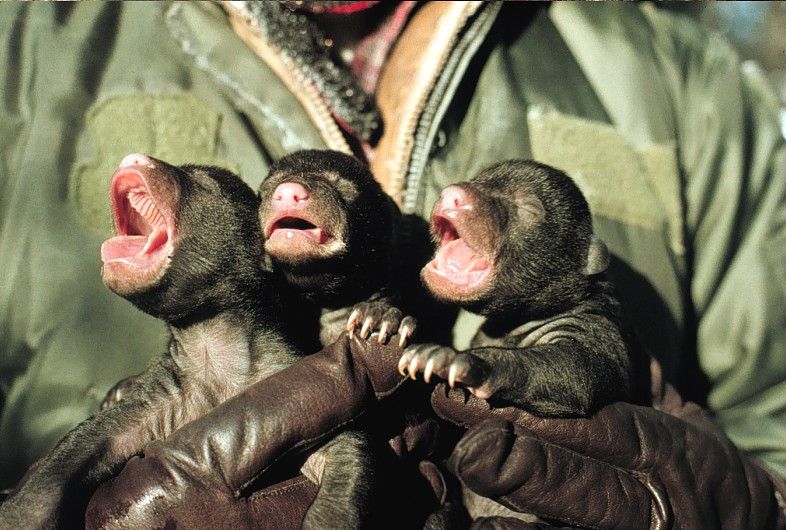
column 177, row 128
column 635, row 187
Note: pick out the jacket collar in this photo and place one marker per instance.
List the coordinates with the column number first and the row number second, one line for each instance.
column 407, row 80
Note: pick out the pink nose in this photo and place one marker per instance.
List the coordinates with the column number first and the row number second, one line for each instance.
column 453, row 197
column 136, row 159
column 289, row 194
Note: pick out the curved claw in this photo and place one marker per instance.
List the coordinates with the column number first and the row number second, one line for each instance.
column 452, row 375
column 406, row 329
column 366, row 329
column 383, row 333
column 352, row 322
column 413, row 368
column 402, row 363
column 119, row 391
column 427, row 370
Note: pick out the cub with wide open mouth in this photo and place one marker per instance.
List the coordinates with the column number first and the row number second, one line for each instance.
column 463, row 264
column 501, row 249
column 178, row 228
column 327, row 226
column 187, row 250
column 516, row 245
column 144, row 194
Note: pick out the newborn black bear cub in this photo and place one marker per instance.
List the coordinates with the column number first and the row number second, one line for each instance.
column 329, row 230
column 187, row 251
column 515, row 244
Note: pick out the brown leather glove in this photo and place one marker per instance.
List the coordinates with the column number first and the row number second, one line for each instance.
column 627, row 466
column 194, row 478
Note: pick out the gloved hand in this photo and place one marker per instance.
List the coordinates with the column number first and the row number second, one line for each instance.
column 195, row 477
column 626, row 466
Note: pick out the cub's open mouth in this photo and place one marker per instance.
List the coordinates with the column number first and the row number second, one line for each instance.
column 144, row 229
column 287, row 227
column 456, row 261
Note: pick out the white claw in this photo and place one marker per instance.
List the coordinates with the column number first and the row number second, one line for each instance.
column 413, row 368
column 405, row 332
column 452, row 375
column 364, row 331
column 352, row 322
column 427, row 370
column 383, row 333
column 402, row 363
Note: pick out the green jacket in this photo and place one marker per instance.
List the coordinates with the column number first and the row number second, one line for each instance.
column 674, row 142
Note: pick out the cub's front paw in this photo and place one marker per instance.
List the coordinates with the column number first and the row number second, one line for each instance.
column 445, row 362
column 383, row 318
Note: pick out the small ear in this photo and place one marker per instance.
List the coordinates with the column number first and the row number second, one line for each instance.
column 597, row 257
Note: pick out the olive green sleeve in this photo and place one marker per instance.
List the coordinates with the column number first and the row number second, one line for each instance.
column 10, row 79
column 734, row 157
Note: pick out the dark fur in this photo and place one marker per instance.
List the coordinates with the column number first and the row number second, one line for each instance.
column 213, row 285
column 344, row 198
column 316, row 294
column 555, row 341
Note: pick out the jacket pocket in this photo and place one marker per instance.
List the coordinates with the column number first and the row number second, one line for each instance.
column 175, row 127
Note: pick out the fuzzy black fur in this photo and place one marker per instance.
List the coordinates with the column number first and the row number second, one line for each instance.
column 555, row 341
column 310, row 296
column 216, row 265
column 346, row 200
column 219, row 305
column 320, row 289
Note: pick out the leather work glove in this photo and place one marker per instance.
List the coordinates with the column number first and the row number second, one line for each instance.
column 627, row 466
column 195, row 478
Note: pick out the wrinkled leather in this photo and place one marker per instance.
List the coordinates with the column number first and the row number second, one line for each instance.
column 195, row 478
column 281, row 506
column 627, row 466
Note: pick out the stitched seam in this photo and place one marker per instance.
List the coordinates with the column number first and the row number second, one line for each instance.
column 281, row 489
column 403, row 146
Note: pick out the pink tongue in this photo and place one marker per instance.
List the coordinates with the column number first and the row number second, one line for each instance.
column 135, row 250
column 122, row 247
column 317, row 235
column 457, row 256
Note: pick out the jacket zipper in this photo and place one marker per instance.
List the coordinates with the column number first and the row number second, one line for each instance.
column 435, row 106
column 403, row 150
